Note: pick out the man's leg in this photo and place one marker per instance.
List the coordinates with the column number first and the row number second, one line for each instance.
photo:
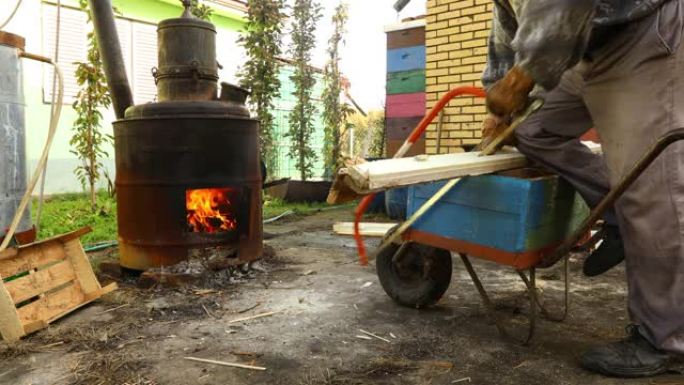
column 551, row 137
column 635, row 92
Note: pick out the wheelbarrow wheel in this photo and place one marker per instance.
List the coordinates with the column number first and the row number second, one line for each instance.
column 417, row 276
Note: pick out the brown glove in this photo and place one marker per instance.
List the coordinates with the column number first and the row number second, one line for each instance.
column 492, row 127
column 510, row 94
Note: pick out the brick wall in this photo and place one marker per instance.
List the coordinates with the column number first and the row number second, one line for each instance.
column 456, row 38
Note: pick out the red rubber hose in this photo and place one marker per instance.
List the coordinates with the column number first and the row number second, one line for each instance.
column 415, row 135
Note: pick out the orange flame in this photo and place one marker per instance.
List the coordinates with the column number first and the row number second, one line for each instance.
column 210, row 210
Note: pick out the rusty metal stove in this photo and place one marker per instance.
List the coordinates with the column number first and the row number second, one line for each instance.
column 188, row 167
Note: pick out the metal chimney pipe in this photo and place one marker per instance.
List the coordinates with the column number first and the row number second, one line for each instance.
column 110, row 52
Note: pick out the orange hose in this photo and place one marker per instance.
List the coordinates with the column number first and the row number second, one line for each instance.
column 415, row 135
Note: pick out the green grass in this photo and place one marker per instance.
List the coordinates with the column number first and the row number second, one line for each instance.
column 68, row 212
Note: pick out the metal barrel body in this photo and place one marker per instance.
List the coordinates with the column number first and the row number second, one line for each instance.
column 13, row 177
column 160, row 158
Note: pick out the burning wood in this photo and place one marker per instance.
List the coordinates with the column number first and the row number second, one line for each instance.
column 210, row 210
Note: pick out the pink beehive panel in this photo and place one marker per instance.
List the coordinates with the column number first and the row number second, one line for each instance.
column 406, row 105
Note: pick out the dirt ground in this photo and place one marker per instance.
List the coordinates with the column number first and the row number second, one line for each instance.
column 322, row 298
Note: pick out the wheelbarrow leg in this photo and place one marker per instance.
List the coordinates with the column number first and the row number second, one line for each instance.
column 530, row 284
column 531, row 291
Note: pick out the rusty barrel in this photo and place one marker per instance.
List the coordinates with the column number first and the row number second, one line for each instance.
column 167, row 150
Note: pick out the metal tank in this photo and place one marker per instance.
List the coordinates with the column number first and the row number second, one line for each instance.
column 193, row 142
column 12, row 138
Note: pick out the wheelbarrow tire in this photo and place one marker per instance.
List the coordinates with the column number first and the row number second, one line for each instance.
column 410, row 282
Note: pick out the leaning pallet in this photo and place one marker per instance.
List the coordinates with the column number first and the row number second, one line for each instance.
column 44, row 281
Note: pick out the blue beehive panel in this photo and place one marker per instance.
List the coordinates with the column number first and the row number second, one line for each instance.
column 406, row 59
column 510, row 214
column 487, row 191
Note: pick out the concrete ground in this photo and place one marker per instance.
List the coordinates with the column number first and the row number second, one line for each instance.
column 323, row 298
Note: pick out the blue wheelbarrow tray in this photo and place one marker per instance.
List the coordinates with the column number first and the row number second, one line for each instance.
column 513, row 218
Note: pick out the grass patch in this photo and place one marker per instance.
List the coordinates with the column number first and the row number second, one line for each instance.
column 68, row 212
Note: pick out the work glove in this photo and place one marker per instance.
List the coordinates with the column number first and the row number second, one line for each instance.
column 510, row 95
column 492, row 127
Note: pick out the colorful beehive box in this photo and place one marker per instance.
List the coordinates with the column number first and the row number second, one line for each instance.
column 405, row 84
column 512, row 219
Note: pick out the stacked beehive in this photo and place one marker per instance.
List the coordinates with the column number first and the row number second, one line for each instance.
column 405, row 84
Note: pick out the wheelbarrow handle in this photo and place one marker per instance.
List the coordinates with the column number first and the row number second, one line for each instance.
column 615, row 193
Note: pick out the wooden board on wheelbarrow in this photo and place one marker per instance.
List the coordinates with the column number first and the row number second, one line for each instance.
column 44, row 281
column 512, row 219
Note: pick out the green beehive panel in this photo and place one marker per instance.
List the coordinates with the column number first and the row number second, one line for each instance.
column 406, row 82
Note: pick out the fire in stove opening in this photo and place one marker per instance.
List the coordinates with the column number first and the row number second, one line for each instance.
column 211, row 210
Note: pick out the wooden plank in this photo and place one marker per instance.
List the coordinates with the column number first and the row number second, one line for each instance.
column 9, row 253
column 367, row 229
column 81, row 265
column 406, row 105
column 52, row 305
column 28, row 258
column 390, row 173
column 10, row 325
column 407, row 82
column 29, row 286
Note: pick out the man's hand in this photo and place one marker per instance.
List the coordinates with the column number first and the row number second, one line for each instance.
column 510, row 95
column 492, row 127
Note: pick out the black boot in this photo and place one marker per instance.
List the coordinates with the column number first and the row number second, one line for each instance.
column 608, row 255
column 632, row 357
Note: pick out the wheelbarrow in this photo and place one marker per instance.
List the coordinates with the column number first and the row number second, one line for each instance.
column 525, row 221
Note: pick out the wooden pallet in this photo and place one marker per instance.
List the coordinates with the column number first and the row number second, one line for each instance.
column 44, row 281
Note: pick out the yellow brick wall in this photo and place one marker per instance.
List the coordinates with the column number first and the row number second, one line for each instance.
column 456, row 39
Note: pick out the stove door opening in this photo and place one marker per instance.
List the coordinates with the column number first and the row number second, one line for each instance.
column 212, row 210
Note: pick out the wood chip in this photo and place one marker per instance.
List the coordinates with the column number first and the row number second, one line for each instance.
column 223, row 363
column 205, row 291
column 374, row 336
column 367, row 284
column 362, row 337
column 467, row 379
column 116, row 308
column 392, row 335
column 255, row 317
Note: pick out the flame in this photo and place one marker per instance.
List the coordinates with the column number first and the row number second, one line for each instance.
column 210, row 210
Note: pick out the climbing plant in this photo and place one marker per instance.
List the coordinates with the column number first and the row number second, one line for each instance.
column 306, row 14
column 333, row 109
column 87, row 141
column 261, row 41
column 201, row 11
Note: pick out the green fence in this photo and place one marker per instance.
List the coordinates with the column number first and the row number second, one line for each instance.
column 285, row 165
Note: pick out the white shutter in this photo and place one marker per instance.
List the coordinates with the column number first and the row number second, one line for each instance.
column 144, row 59
column 124, row 30
column 72, row 48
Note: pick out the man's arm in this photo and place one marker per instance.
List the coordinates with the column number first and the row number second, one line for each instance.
column 500, row 54
column 552, row 37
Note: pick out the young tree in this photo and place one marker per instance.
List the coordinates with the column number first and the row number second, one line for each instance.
column 333, row 113
column 306, row 14
column 261, row 41
column 88, row 141
column 201, row 11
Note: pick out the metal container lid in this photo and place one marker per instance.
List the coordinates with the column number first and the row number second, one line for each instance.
column 12, row 40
